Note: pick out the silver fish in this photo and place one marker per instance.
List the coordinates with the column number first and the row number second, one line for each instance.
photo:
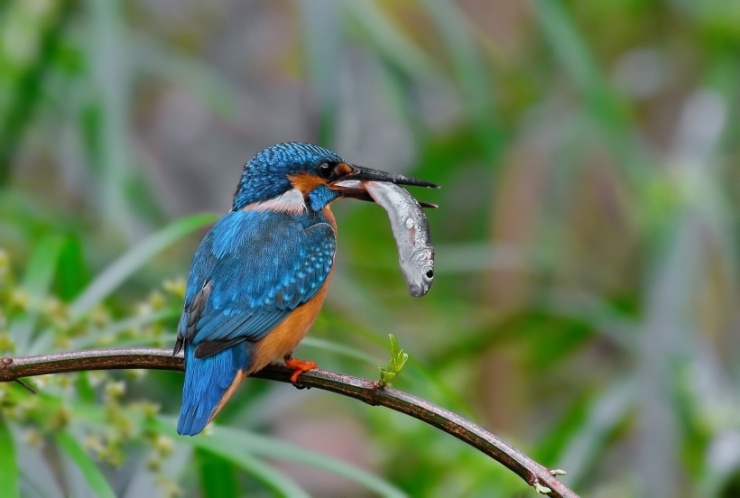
column 411, row 231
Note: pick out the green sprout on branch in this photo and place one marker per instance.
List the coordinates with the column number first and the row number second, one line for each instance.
column 395, row 365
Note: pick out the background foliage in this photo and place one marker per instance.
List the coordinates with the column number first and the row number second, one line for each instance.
column 586, row 298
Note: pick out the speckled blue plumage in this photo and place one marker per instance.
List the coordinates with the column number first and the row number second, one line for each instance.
column 250, row 271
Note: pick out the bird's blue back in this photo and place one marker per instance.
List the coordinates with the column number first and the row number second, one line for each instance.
column 250, row 271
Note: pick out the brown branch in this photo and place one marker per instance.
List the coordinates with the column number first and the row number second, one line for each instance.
column 533, row 473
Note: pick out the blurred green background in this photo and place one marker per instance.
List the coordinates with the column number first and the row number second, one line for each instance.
column 585, row 307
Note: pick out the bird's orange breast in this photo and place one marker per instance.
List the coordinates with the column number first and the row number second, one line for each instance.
column 284, row 338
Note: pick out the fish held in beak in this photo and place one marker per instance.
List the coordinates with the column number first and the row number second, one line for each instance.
column 357, row 189
column 350, row 182
column 411, row 231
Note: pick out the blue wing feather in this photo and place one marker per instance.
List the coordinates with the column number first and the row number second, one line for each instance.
column 256, row 267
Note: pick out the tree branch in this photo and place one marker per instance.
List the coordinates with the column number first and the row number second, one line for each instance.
column 533, row 473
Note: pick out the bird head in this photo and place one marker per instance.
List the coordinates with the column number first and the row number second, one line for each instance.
column 296, row 176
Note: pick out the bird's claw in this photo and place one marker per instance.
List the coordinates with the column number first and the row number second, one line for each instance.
column 298, row 366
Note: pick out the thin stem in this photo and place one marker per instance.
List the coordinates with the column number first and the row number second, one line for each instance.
column 536, row 475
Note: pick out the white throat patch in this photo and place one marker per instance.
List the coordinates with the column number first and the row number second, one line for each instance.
column 291, row 202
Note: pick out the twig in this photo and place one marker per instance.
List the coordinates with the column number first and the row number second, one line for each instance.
column 536, row 475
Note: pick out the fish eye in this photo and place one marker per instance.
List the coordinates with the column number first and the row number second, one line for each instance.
column 430, row 274
column 325, row 170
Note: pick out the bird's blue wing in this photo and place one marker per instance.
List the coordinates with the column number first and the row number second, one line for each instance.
column 250, row 271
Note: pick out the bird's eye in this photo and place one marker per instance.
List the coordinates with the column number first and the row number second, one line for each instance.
column 325, row 170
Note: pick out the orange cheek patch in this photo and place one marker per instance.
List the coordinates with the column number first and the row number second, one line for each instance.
column 305, row 182
column 342, row 169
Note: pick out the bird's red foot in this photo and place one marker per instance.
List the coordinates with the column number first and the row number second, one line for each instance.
column 299, row 367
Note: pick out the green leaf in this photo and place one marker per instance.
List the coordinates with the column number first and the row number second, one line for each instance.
column 276, row 481
column 36, row 283
column 90, row 471
column 217, row 477
column 8, row 463
column 73, row 273
column 85, row 390
column 396, row 363
column 134, row 259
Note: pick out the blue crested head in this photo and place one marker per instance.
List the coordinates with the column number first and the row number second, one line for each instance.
column 269, row 174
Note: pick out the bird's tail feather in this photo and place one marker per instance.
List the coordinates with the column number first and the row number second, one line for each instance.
column 209, row 382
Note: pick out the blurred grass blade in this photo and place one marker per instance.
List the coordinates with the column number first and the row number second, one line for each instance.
column 602, row 417
column 722, row 463
column 110, row 77
column 390, row 40
column 470, row 70
column 235, row 453
column 84, row 388
column 134, row 259
column 340, row 349
column 278, row 482
column 36, row 284
column 133, row 323
column 213, row 87
column 272, row 448
column 217, row 478
column 237, row 441
column 95, row 478
column 322, row 41
column 40, row 28
column 572, row 51
column 569, row 46
column 9, row 471
column 73, row 274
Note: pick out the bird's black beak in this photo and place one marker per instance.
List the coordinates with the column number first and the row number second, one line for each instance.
column 351, row 184
column 360, row 173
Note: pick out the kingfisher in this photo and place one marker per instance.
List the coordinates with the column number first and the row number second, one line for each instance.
column 259, row 276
